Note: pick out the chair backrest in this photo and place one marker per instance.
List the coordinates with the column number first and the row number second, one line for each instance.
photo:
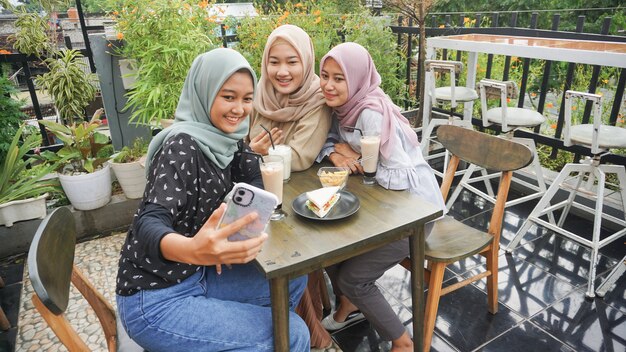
column 489, row 152
column 443, row 66
column 51, row 258
column 494, row 89
column 596, row 99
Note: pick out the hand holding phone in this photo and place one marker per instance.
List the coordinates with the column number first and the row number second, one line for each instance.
column 245, row 199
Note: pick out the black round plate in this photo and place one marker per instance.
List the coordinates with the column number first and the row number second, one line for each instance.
column 347, row 205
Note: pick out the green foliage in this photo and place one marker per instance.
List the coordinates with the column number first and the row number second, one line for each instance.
column 16, row 182
column 10, row 115
column 31, row 36
column 325, row 24
column 81, row 146
column 68, row 83
column 134, row 153
column 163, row 37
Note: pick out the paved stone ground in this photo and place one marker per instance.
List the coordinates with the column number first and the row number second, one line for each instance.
column 98, row 261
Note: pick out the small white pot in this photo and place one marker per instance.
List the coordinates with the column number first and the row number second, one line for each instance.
column 88, row 191
column 25, row 209
column 132, row 178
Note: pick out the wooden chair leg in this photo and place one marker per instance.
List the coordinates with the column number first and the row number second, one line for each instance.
column 4, row 322
column 61, row 327
column 432, row 302
column 492, row 280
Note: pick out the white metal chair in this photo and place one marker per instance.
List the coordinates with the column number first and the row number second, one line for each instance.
column 615, row 274
column 510, row 119
column 451, row 94
column 589, row 179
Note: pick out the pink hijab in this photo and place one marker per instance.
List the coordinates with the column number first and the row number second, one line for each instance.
column 364, row 93
column 292, row 107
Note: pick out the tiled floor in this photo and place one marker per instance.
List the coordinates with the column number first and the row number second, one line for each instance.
column 541, row 294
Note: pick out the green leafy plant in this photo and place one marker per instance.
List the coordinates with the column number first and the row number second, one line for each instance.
column 16, row 181
column 326, row 22
column 133, row 153
column 10, row 115
column 163, row 37
column 69, row 84
column 31, row 36
column 81, row 146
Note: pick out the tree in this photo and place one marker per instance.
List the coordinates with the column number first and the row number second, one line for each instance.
column 416, row 9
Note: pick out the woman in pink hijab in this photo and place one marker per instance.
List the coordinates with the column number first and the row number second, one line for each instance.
column 350, row 84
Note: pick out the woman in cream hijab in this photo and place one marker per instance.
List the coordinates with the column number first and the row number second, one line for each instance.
column 289, row 101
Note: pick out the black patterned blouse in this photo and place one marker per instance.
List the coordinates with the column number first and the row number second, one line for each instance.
column 182, row 191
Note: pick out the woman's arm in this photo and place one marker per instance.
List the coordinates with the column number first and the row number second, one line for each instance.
column 210, row 246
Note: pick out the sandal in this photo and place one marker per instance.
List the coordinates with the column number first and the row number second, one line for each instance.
column 330, row 324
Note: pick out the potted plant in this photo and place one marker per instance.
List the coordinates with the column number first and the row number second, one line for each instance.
column 23, row 191
column 85, row 175
column 162, row 38
column 128, row 166
column 69, row 84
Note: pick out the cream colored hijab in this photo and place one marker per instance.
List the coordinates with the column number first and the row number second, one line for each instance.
column 292, row 107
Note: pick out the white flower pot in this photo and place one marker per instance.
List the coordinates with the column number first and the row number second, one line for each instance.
column 25, row 209
column 88, row 191
column 132, row 178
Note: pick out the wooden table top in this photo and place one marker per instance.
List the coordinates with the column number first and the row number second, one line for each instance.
column 297, row 245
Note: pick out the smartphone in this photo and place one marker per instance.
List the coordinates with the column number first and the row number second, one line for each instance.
column 245, row 199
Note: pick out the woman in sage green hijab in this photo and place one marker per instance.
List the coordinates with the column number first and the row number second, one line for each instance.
column 181, row 285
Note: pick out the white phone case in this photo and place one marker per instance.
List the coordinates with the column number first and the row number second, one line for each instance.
column 245, row 199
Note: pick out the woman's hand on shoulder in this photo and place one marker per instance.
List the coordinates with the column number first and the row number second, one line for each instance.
column 261, row 143
column 210, row 246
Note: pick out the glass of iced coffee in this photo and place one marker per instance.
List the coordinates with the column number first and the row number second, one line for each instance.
column 283, row 151
column 370, row 144
column 272, row 173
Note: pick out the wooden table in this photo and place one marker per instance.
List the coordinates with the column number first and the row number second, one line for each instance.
column 567, row 50
column 298, row 246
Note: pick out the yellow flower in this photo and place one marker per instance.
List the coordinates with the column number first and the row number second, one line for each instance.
column 442, row 26
column 549, row 105
column 317, row 20
column 574, row 107
column 553, row 126
column 298, row 5
column 226, row 26
column 203, row 4
column 533, row 94
column 120, row 36
column 466, row 19
column 317, row 12
column 605, row 81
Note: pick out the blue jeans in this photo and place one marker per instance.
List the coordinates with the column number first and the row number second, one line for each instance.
column 210, row 312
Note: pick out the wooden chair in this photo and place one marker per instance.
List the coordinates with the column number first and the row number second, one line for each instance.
column 4, row 322
column 450, row 240
column 51, row 269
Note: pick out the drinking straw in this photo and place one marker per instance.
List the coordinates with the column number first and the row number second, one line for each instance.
column 269, row 134
column 348, row 128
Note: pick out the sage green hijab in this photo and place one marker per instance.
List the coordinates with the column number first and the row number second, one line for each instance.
column 208, row 72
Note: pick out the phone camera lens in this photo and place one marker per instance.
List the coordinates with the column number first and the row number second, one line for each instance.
column 238, row 199
column 241, row 192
